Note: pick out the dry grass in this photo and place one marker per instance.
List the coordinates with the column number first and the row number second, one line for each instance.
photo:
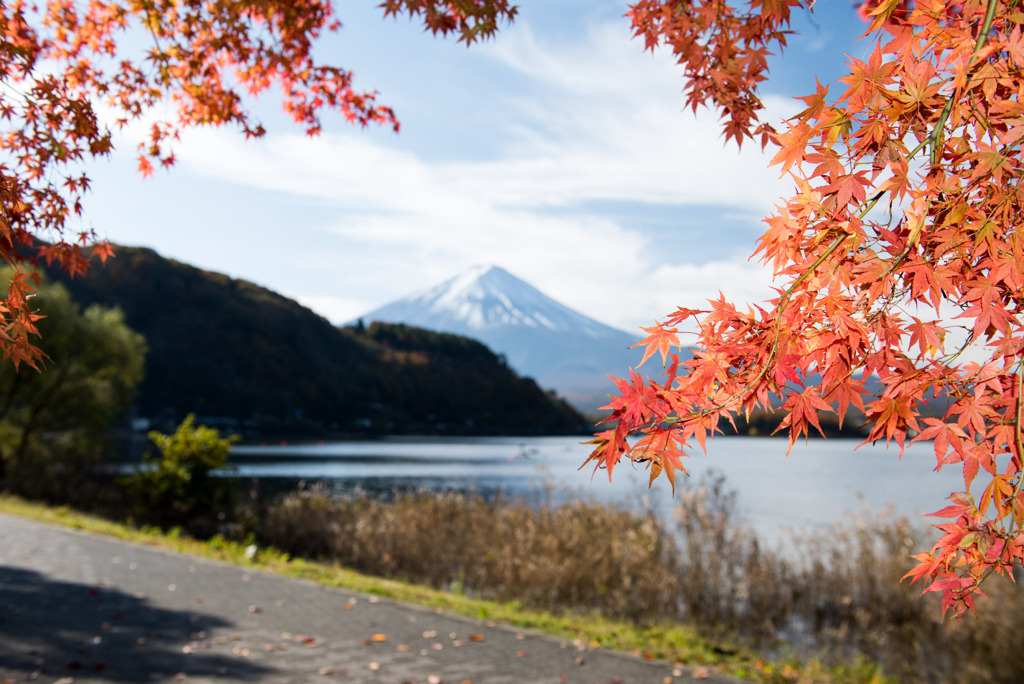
column 837, row 597
column 580, row 555
column 853, row 603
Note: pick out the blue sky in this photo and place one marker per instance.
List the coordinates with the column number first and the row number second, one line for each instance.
column 559, row 150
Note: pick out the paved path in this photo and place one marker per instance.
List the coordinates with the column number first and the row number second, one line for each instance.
column 80, row 608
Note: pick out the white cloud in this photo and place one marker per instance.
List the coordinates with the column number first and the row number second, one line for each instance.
column 692, row 285
column 600, row 121
column 338, row 310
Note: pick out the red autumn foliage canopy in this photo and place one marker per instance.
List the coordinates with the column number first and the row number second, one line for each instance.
column 904, row 226
column 64, row 63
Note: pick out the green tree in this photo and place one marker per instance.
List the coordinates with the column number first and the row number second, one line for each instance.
column 180, row 488
column 59, row 414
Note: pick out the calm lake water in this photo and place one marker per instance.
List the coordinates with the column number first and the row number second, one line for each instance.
column 818, row 484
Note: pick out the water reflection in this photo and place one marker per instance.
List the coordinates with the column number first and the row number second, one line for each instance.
column 818, row 484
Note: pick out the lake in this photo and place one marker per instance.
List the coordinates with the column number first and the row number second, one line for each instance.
column 819, row 483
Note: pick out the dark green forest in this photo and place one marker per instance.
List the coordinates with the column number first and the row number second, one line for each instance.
column 252, row 361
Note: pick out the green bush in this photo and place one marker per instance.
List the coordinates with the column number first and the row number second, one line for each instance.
column 179, row 489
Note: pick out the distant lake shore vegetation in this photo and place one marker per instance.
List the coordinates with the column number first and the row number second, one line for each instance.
column 254, row 362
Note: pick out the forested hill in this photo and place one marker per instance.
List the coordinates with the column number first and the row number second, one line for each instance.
column 228, row 349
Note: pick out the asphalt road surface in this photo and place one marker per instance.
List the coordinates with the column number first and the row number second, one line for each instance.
column 80, row 608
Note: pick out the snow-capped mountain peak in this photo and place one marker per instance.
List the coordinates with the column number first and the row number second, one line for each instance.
column 482, row 297
column 485, row 298
column 541, row 338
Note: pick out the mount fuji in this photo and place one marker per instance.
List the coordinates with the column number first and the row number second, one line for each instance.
column 560, row 348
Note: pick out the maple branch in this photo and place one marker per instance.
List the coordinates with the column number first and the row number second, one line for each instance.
column 990, row 15
column 1019, row 439
column 968, row 340
column 1013, row 527
column 935, row 137
column 774, row 349
column 783, row 300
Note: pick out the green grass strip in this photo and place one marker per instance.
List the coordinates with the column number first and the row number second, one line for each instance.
column 676, row 643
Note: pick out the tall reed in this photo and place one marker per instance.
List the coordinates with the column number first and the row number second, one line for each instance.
column 835, row 595
column 580, row 554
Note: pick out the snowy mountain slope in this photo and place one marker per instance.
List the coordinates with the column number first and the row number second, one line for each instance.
column 488, row 298
column 560, row 348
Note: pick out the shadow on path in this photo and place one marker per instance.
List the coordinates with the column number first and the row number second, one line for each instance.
column 62, row 629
